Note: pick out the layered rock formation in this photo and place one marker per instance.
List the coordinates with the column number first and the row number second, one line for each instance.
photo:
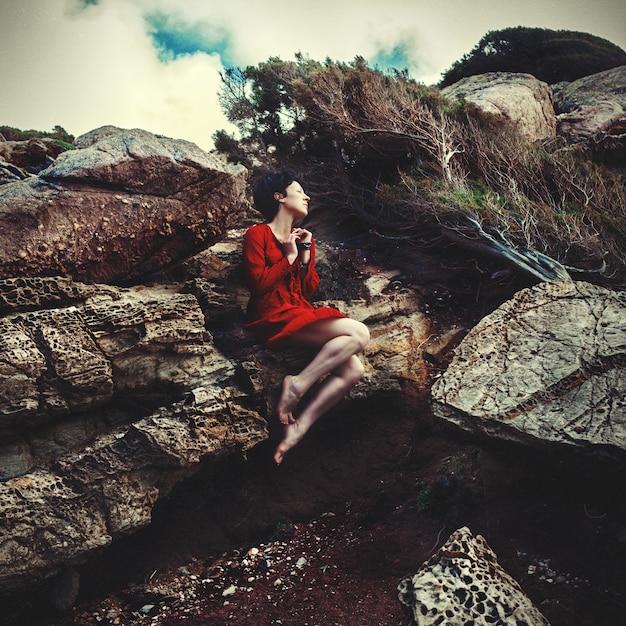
column 86, row 449
column 549, row 365
column 462, row 583
column 113, row 395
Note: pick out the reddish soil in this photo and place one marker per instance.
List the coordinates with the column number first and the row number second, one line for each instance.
column 360, row 504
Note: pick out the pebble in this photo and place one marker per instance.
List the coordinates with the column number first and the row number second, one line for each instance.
column 229, row 591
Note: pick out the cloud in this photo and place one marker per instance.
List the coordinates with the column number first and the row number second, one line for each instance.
column 155, row 64
column 86, row 68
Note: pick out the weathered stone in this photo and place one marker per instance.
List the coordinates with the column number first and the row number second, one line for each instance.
column 520, row 99
column 464, row 584
column 592, row 109
column 547, row 366
column 31, row 155
column 86, row 472
column 52, row 518
column 128, row 205
column 591, row 104
column 10, row 173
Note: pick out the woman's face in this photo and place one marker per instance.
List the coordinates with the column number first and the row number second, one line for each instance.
column 295, row 201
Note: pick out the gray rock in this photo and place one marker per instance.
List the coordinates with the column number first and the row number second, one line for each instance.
column 464, row 584
column 592, row 110
column 547, row 366
column 520, row 99
column 591, row 104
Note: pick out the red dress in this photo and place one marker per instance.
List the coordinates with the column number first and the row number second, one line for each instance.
column 278, row 305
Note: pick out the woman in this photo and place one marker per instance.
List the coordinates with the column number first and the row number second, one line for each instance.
column 279, row 266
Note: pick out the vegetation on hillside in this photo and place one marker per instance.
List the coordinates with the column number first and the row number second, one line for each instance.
column 58, row 135
column 423, row 170
column 549, row 55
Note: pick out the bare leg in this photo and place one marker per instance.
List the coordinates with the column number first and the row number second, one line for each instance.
column 340, row 339
column 331, row 391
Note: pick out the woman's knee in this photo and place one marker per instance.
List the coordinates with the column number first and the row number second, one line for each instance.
column 356, row 369
column 361, row 334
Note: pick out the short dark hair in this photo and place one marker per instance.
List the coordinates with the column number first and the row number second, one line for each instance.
column 266, row 187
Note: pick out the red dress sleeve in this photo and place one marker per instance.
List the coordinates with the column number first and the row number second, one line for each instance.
column 262, row 274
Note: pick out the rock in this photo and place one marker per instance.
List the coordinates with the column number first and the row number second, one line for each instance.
column 126, row 206
column 464, row 584
column 592, row 109
column 592, row 103
column 57, row 364
column 51, row 518
column 10, row 173
column 31, row 156
column 112, row 395
column 520, row 99
column 547, row 366
column 85, row 452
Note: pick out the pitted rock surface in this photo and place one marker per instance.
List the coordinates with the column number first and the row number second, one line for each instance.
column 549, row 365
column 464, row 584
column 61, row 361
column 125, row 206
column 85, row 454
column 54, row 517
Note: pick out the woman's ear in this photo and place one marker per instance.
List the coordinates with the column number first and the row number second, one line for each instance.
column 278, row 196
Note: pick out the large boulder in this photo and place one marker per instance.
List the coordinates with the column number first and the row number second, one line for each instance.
column 546, row 366
column 111, row 395
column 464, row 584
column 592, row 109
column 519, row 99
column 53, row 517
column 108, row 397
column 123, row 207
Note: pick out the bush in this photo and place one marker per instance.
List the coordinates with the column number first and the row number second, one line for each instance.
column 551, row 56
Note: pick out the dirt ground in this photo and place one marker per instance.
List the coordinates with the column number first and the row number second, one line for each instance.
column 360, row 504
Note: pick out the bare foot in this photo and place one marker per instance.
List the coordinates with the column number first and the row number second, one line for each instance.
column 293, row 433
column 289, row 398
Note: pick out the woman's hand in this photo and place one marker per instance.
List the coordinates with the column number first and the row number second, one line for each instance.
column 302, row 234
column 290, row 245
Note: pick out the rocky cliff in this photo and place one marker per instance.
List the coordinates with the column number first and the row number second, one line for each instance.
column 116, row 381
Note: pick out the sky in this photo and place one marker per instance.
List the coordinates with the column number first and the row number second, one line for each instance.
column 155, row 64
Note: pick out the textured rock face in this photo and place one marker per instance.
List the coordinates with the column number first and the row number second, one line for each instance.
column 463, row 584
column 548, row 365
column 84, row 453
column 592, row 109
column 518, row 98
column 62, row 361
column 109, row 396
column 122, row 207
column 592, row 104
column 55, row 516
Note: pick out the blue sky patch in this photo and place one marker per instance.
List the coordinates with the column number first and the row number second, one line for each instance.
column 173, row 39
column 395, row 58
